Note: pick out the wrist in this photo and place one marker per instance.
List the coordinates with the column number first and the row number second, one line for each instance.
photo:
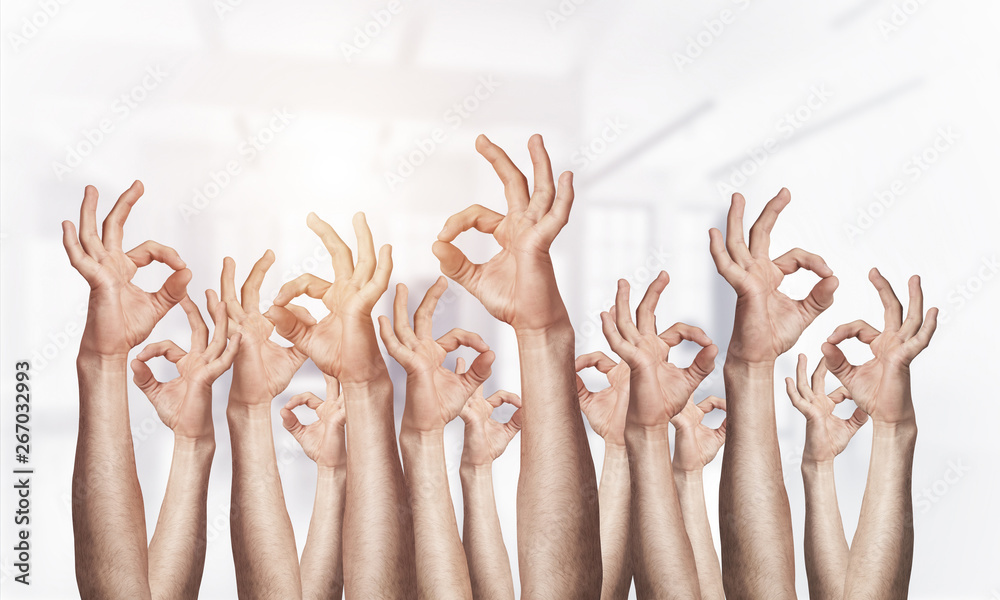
column 331, row 471
column 817, row 466
column 752, row 368
column 202, row 445
column 905, row 430
column 414, row 436
column 378, row 386
column 256, row 411
column 688, row 476
column 91, row 359
column 471, row 470
column 559, row 333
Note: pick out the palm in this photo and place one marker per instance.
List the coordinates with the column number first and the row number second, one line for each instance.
column 606, row 409
column 485, row 438
column 885, row 376
column 184, row 404
column 826, row 434
column 673, row 384
column 696, row 444
column 761, row 302
column 263, row 364
column 323, row 441
column 438, row 393
column 517, row 286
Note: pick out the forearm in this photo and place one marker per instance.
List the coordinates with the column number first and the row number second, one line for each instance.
column 109, row 526
column 378, row 529
column 322, row 565
column 615, row 496
column 485, row 551
column 825, row 543
column 691, row 494
column 177, row 550
column 664, row 563
column 754, row 516
column 263, row 542
column 442, row 571
column 881, row 556
column 558, row 525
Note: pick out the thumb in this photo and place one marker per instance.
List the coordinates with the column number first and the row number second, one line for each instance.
column 287, row 324
column 837, row 362
column 480, row 369
column 142, row 375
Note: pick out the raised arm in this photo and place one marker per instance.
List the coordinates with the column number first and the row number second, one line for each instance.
column 558, row 527
column 881, row 554
column 263, row 541
column 758, row 560
column 109, row 528
column 606, row 410
column 826, row 436
column 485, row 440
column 184, row 404
column 322, row 563
column 663, row 562
column 434, row 397
column 378, row 529
column 695, row 445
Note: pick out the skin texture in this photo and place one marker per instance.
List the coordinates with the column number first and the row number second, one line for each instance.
column 378, row 528
column 434, row 397
column 263, row 541
column 109, row 529
column 184, row 404
column 826, row 436
column 605, row 411
column 695, row 445
column 485, row 440
column 558, row 523
column 757, row 548
column 881, row 555
column 663, row 561
column 323, row 441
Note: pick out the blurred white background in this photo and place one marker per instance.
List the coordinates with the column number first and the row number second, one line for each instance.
column 876, row 114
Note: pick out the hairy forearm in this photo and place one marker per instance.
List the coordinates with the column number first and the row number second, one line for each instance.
column 322, row 565
column 664, row 563
column 177, row 550
column 691, row 494
column 754, row 516
column 485, row 552
column 825, row 543
column 615, row 496
column 442, row 571
column 109, row 526
column 378, row 528
column 263, row 541
column 558, row 526
column 881, row 555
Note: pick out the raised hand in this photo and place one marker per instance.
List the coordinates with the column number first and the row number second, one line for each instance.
column 323, row 441
column 518, row 285
column 434, row 394
column 605, row 409
column 485, row 437
column 184, row 403
column 668, row 387
column 263, row 367
column 881, row 386
column 696, row 444
column 826, row 434
column 350, row 300
column 768, row 322
column 121, row 315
